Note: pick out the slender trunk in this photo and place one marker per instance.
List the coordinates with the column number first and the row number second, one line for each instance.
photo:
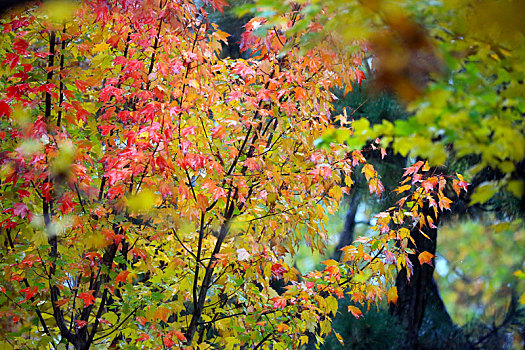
column 410, row 307
column 347, row 235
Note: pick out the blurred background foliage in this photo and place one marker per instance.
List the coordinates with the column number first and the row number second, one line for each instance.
column 477, row 267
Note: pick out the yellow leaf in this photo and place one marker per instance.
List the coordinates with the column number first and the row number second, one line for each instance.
column 331, row 304
column 303, row 339
column 483, row 193
column 141, row 201
column 330, row 262
column 221, row 36
column 402, row 188
column 392, row 295
column 515, row 187
column 404, row 232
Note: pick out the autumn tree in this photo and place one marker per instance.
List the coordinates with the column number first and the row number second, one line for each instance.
column 151, row 190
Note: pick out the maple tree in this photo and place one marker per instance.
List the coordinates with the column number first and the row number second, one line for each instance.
column 151, row 190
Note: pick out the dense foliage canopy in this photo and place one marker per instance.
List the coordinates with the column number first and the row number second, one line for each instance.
column 151, row 190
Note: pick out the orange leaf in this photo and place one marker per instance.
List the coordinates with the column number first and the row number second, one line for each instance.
column 426, row 258
column 180, row 336
column 202, row 202
column 444, row 202
column 143, row 337
column 355, row 311
column 300, row 93
column 161, row 313
column 402, row 188
column 282, row 328
column 122, row 276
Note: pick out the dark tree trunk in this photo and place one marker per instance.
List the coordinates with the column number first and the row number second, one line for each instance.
column 347, row 235
column 413, row 293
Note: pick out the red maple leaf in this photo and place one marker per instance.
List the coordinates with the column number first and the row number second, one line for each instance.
column 80, row 324
column 29, row 292
column 87, row 298
column 359, row 76
column 4, row 109
column 279, row 302
column 20, row 209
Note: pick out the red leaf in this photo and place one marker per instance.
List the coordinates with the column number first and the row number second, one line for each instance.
column 23, row 193
column 180, row 336
column 218, row 192
column 11, row 59
column 62, row 302
column 30, row 260
column 87, row 298
column 218, row 132
column 142, row 320
column 47, row 87
column 80, row 324
column 20, row 46
column 81, row 85
column 20, row 209
column 5, row 109
column 243, row 70
column 66, row 203
column 413, row 169
column 29, row 292
column 359, row 76
column 190, row 130
column 251, row 164
column 277, row 271
column 279, row 302
column 217, row 4
column 168, row 342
